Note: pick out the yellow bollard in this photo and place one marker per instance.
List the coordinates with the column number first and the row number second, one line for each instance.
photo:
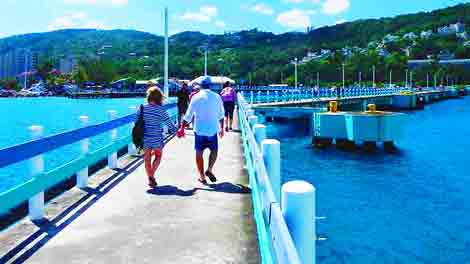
column 371, row 108
column 333, row 106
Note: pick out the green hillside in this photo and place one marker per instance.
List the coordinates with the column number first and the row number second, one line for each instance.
column 261, row 57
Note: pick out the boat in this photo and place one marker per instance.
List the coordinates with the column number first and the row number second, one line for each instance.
column 37, row 89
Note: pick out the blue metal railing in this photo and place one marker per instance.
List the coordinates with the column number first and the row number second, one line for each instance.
column 43, row 181
column 276, row 244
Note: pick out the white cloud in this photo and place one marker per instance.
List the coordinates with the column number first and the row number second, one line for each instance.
column 205, row 14
column 302, row 1
column 263, row 9
column 220, row 24
column 294, row 18
column 334, row 7
column 341, row 21
column 111, row 3
column 75, row 20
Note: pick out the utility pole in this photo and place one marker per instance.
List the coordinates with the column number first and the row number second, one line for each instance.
column 166, row 87
column 427, row 80
column 360, row 79
column 411, row 79
column 390, row 84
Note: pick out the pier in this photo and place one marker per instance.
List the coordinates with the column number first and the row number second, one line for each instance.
column 110, row 215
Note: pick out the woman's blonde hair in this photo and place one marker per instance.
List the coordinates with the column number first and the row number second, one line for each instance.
column 155, row 95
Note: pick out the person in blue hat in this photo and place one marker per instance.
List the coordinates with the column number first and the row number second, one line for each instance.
column 206, row 107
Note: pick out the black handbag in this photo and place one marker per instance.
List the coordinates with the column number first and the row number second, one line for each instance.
column 138, row 130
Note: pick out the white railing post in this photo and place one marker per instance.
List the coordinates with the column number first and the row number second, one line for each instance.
column 112, row 159
column 259, row 131
column 298, row 209
column 36, row 166
column 131, row 150
column 271, row 149
column 252, row 120
column 82, row 175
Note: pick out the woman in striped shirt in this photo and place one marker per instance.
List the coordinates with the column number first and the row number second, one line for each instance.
column 155, row 118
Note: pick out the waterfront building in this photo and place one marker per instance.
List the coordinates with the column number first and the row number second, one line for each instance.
column 414, row 64
column 451, row 29
column 68, row 65
column 390, row 38
column 410, row 36
column 14, row 63
column 426, row 34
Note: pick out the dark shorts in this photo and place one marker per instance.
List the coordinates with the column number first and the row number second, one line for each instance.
column 204, row 142
column 229, row 109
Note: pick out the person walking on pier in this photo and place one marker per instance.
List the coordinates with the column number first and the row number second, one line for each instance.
column 207, row 109
column 155, row 118
column 183, row 101
column 229, row 97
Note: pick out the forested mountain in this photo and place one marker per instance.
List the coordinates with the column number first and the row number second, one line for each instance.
column 262, row 57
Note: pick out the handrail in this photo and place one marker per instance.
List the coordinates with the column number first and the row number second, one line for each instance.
column 43, row 181
column 33, row 148
column 281, row 246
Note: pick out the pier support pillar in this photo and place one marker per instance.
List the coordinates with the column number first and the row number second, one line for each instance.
column 260, row 133
column 82, row 175
column 131, row 150
column 36, row 167
column 298, row 209
column 112, row 159
column 271, row 150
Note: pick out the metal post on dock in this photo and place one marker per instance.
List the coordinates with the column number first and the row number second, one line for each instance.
column 298, row 209
column 82, row 175
column 112, row 159
column 36, row 167
column 271, row 150
column 131, row 150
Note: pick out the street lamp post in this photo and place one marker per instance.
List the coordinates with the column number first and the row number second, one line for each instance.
column 318, row 79
column 406, row 79
column 344, row 81
column 373, row 76
column 390, row 80
column 295, row 65
column 360, row 79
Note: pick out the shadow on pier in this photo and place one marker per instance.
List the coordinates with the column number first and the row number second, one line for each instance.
column 49, row 228
column 224, row 187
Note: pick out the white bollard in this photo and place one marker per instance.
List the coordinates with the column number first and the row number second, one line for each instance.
column 82, row 175
column 298, row 209
column 260, row 133
column 252, row 120
column 36, row 166
column 271, row 150
column 112, row 159
column 131, row 150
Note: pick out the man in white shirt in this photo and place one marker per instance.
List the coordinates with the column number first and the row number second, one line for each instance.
column 207, row 109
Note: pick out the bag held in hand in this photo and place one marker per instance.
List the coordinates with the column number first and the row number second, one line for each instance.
column 138, row 130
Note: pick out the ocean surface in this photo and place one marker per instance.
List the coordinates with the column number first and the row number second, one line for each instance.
column 410, row 207
column 56, row 115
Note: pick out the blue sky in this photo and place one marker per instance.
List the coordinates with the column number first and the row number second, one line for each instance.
column 208, row 16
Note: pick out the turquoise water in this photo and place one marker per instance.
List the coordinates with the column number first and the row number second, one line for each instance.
column 411, row 207
column 56, row 115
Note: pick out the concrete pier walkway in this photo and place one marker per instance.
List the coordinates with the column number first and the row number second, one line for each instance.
column 182, row 221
